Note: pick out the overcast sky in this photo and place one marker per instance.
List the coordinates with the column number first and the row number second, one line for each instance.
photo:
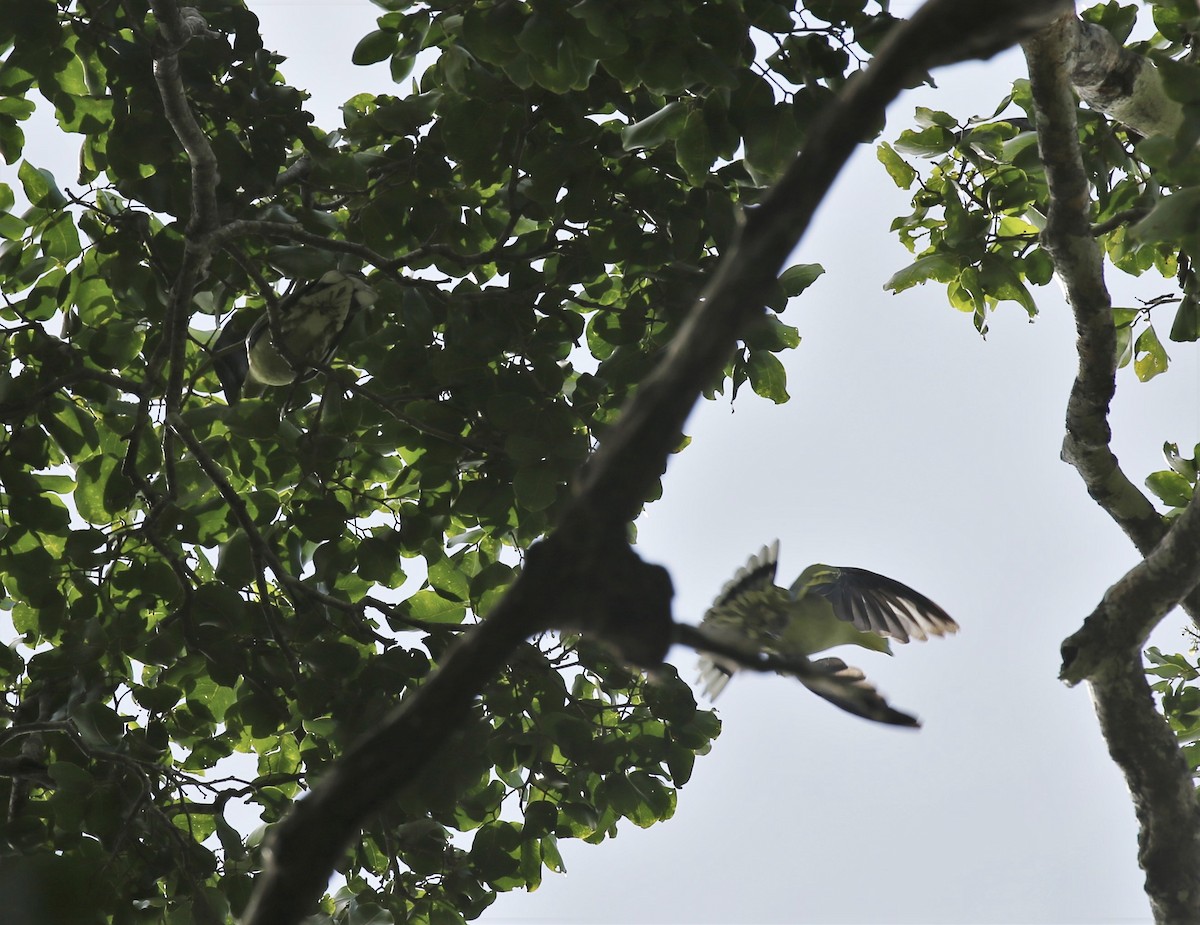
column 913, row 448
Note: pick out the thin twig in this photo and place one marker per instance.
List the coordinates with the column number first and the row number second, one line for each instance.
column 241, row 514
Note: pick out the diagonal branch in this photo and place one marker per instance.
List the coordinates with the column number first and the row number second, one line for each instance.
column 568, row 579
column 1132, row 607
column 296, row 589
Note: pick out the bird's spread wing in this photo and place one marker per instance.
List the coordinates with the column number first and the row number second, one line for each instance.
column 757, row 575
column 752, row 610
column 878, row 604
column 742, row 611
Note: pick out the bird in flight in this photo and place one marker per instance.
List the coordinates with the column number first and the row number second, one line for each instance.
column 826, row 606
column 310, row 320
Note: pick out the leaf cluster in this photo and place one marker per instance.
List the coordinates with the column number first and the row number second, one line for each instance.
column 979, row 210
column 210, row 603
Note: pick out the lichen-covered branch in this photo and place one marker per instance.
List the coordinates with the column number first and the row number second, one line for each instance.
column 1123, row 85
column 1164, row 795
column 1133, row 606
column 1079, row 265
column 568, row 580
column 177, row 26
column 1078, row 262
column 1106, row 651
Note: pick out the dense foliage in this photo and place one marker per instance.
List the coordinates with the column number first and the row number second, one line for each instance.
column 210, row 602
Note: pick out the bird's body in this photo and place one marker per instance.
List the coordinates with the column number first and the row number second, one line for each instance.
column 825, row 607
column 310, row 322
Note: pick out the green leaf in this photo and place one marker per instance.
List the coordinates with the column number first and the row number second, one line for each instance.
column 929, row 142
column 321, row 518
column 927, row 118
column 1150, row 358
column 374, row 47
column 494, row 853
column 379, row 560
column 940, row 267
column 1185, row 467
column 1172, row 218
column 670, row 699
column 771, row 143
column 536, row 486
column 1186, row 326
column 550, row 855
column 430, row 607
column 694, row 152
column 1038, row 267
column 1170, row 487
column 40, row 187
column 652, row 131
column 1000, row 281
column 98, row 725
column 769, row 333
column 449, row 581
column 767, row 376
column 898, row 169
column 1178, row 78
column 60, row 239
column 795, row 279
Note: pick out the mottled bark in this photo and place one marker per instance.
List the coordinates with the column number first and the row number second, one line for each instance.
column 1106, row 651
column 1123, row 85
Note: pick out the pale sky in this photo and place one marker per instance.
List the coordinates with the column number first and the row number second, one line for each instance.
column 916, row 449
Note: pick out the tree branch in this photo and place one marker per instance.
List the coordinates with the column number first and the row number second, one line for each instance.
column 568, row 579
column 294, row 587
column 176, row 28
column 1122, row 84
column 1164, row 795
column 1106, row 651
column 1080, row 265
column 1133, row 606
column 243, row 227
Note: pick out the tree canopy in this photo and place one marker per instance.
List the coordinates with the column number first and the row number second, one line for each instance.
column 223, row 605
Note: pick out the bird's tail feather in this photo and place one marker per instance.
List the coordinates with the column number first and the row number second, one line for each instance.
column 715, row 673
column 230, row 361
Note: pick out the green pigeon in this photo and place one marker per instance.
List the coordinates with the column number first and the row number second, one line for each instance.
column 311, row 321
column 826, row 606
